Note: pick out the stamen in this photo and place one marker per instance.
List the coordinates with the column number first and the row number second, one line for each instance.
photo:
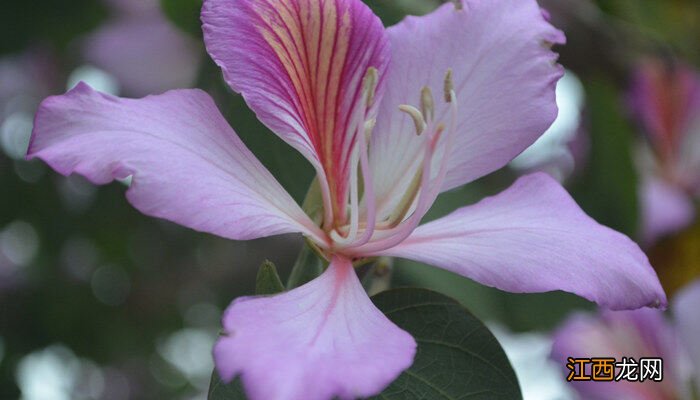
column 438, row 132
column 449, row 86
column 368, row 196
column 369, row 128
column 404, row 205
column 326, row 197
column 402, row 230
column 370, row 85
column 458, row 4
column 417, row 117
column 360, row 160
column 428, row 187
column 449, row 139
column 427, row 103
column 354, row 204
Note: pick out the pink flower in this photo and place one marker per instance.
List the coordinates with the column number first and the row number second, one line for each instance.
column 666, row 100
column 358, row 101
column 638, row 334
column 142, row 49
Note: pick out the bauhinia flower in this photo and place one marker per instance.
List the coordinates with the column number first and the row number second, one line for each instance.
column 389, row 119
column 634, row 335
column 666, row 100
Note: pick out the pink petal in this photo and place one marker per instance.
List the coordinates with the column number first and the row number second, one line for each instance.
column 300, row 66
column 534, row 238
column 686, row 305
column 666, row 209
column 187, row 163
column 320, row 341
column 504, row 76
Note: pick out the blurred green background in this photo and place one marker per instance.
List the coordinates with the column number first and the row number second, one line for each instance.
column 102, row 302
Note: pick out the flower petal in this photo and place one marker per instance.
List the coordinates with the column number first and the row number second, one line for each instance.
column 188, row 165
column 320, row 341
column 534, row 238
column 686, row 304
column 300, row 66
column 504, row 78
column 666, row 209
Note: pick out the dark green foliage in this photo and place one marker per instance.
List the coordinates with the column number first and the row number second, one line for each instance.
column 608, row 189
column 458, row 357
column 184, row 14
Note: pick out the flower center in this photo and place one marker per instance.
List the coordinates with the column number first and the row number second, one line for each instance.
column 363, row 231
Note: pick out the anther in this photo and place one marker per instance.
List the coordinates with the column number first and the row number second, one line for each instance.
column 458, row 4
column 370, row 85
column 449, row 86
column 427, row 103
column 417, row 117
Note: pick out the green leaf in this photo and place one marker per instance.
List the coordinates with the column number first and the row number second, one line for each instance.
column 457, row 358
column 268, row 281
column 184, row 14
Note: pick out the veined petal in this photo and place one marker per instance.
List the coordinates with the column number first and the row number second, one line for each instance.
column 687, row 317
column 300, row 66
column 534, row 238
column 504, row 78
column 188, row 165
column 320, row 341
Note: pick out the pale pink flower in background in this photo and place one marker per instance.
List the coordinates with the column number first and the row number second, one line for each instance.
column 638, row 334
column 665, row 98
column 389, row 119
column 143, row 49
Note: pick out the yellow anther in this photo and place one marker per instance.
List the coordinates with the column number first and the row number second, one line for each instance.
column 427, row 103
column 370, row 85
column 449, row 86
column 417, row 117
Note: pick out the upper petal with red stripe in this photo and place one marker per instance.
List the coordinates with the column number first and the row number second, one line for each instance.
column 300, row 65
